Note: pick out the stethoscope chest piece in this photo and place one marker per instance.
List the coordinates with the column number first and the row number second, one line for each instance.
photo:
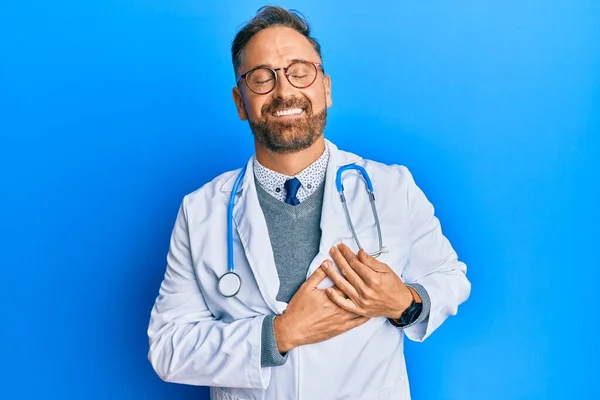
column 230, row 284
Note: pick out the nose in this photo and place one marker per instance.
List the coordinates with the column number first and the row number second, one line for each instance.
column 283, row 88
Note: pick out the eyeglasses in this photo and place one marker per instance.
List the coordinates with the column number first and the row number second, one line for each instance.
column 300, row 74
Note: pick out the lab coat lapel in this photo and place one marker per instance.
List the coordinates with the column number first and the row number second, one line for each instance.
column 333, row 220
column 252, row 230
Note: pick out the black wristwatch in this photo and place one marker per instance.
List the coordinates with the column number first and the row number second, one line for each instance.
column 410, row 315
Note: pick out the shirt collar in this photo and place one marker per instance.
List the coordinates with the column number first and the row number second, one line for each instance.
column 310, row 178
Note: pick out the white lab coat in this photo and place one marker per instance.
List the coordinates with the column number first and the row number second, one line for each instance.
column 198, row 337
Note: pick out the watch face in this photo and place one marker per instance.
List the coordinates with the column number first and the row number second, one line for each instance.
column 411, row 314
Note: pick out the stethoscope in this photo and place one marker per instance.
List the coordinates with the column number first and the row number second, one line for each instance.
column 230, row 282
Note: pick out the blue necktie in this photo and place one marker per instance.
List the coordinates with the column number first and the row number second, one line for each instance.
column 291, row 188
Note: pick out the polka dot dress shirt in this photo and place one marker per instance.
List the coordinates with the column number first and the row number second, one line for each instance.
column 310, row 178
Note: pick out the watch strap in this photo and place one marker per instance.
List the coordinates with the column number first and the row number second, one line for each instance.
column 410, row 315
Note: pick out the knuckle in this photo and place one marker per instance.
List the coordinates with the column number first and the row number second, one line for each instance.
column 368, row 293
column 360, row 291
column 362, row 302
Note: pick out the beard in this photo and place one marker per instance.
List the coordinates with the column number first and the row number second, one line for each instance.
column 288, row 136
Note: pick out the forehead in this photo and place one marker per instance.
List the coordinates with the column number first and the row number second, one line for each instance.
column 276, row 47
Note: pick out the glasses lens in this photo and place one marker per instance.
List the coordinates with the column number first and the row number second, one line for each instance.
column 302, row 74
column 261, row 80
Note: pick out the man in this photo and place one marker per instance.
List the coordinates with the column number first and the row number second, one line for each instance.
column 315, row 317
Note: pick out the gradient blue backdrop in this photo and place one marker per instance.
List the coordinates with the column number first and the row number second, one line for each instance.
column 111, row 111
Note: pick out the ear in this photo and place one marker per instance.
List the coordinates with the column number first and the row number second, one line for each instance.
column 327, row 84
column 239, row 103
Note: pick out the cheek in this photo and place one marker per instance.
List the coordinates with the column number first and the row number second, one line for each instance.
column 318, row 96
column 318, row 101
column 253, row 108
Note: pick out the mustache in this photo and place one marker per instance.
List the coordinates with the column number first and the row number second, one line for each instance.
column 280, row 104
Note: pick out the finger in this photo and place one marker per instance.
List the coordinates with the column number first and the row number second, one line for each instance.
column 342, row 284
column 366, row 259
column 365, row 273
column 338, row 291
column 349, row 273
column 371, row 262
column 316, row 278
column 342, row 302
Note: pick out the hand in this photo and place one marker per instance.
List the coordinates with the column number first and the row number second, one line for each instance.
column 372, row 288
column 312, row 317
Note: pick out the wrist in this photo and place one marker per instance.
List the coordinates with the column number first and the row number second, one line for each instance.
column 410, row 295
column 282, row 335
column 415, row 295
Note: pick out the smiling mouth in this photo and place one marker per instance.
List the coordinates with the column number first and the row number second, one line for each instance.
column 288, row 112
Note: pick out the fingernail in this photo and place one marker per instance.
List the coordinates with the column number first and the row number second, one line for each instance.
column 325, row 265
column 332, row 249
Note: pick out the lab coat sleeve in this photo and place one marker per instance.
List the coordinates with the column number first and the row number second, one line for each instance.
column 432, row 263
column 187, row 343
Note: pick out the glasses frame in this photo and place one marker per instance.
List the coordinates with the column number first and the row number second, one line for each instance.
column 316, row 66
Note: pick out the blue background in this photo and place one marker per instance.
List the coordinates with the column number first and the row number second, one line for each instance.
column 111, row 111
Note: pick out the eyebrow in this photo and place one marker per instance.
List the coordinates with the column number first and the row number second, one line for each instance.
column 270, row 66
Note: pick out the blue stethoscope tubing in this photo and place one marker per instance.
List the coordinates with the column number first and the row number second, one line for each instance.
column 230, row 283
column 340, row 189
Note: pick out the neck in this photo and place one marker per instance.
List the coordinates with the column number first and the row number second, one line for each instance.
column 292, row 163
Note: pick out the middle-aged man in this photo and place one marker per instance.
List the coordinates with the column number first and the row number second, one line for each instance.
column 298, row 310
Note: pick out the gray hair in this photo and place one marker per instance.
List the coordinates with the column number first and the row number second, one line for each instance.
column 267, row 17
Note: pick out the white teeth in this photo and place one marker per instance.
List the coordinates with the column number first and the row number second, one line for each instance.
column 291, row 111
